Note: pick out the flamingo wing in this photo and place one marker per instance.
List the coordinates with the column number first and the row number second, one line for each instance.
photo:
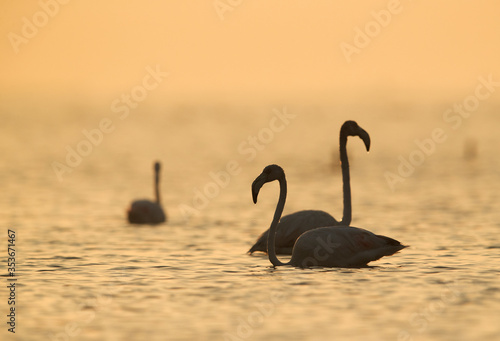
column 291, row 227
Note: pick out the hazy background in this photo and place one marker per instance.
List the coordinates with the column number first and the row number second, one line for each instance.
column 257, row 51
column 80, row 263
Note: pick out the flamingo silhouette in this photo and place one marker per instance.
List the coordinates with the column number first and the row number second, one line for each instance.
column 146, row 211
column 332, row 246
column 293, row 225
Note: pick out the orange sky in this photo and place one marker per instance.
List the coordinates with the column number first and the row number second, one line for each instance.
column 262, row 49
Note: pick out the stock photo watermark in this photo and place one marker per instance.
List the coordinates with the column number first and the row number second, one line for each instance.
column 454, row 117
column 87, row 311
column 256, row 318
column 363, row 36
column 328, row 246
column 223, row 6
column 249, row 148
column 11, row 281
column 94, row 137
column 421, row 320
column 264, row 310
column 31, row 25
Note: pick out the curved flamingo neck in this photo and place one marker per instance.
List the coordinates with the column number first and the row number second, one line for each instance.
column 344, row 162
column 271, row 247
column 157, row 185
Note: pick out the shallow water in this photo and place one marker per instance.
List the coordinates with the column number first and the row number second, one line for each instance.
column 84, row 273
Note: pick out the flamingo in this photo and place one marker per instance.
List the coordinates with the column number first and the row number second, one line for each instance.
column 146, row 211
column 293, row 225
column 332, row 246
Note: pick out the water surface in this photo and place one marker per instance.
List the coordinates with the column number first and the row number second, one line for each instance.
column 84, row 273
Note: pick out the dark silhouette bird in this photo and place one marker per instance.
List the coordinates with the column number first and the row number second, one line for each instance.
column 146, row 211
column 293, row 225
column 332, row 246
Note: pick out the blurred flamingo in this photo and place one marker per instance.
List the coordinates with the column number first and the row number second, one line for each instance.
column 146, row 211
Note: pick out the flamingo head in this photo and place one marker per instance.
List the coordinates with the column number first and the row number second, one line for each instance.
column 351, row 128
column 270, row 173
column 157, row 166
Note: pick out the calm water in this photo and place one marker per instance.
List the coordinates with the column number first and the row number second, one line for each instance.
column 84, row 273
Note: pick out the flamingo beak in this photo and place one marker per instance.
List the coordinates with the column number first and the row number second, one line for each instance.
column 257, row 185
column 365, row 137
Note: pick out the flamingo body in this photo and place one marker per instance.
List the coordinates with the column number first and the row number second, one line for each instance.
column 341, row 246
column 145, row 212
column 291, row 227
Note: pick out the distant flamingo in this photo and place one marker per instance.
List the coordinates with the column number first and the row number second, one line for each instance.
column 333, row 246
column 293, row 225
column 146, row 211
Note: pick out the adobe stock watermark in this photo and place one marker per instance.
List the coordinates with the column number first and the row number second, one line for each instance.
column 420, row 320
column 223, row 6
column 325, row 247
column 256, row 318
column 249, row 148
column 94, row 137
column 88, row 310
column 372, row 29
column 454, row 116
column 31, row 25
